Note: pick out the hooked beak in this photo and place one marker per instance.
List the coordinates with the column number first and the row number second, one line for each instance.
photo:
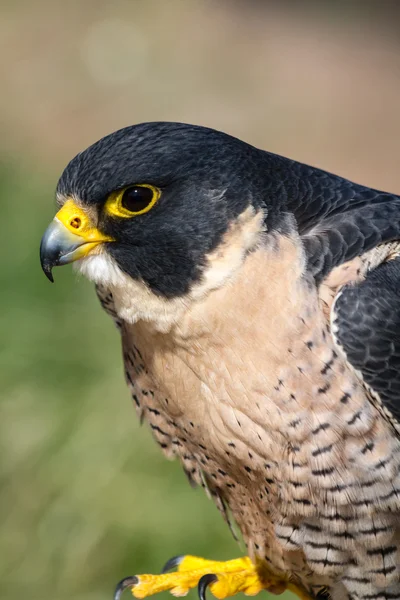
column 69, row 237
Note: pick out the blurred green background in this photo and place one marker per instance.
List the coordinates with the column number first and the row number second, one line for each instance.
column 86, row 498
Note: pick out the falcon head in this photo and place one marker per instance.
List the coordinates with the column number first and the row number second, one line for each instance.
column 169, row 206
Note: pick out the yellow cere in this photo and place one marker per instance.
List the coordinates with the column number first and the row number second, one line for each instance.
column 114, row 204
column 78, row 222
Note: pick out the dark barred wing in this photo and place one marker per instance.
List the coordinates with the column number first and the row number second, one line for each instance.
column 366, row 325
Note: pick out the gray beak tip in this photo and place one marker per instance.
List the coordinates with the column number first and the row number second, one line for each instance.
column 47, row 270
column 47, row 261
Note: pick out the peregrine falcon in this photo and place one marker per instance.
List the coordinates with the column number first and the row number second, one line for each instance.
column 257, row 302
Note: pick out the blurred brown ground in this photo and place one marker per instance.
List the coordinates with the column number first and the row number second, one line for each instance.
column 85, row 497
column 317, row 81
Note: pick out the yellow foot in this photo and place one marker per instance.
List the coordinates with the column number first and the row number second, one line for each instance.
column 223, row 578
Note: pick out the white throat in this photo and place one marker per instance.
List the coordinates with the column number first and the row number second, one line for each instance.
column 133, row 299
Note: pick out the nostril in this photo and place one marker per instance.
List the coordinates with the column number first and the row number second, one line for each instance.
column 76, row 222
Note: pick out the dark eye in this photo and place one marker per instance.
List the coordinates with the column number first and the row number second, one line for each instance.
column 137, row 198
column 132, row 201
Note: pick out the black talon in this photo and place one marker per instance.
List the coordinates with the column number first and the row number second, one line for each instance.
column 203, row 584
column 123, row 584
column 172, row 563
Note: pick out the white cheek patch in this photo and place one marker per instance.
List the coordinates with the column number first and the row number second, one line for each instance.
column 101, row 268
column 134, row 300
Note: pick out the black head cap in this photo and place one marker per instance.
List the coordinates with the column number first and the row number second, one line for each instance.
column 207, row 179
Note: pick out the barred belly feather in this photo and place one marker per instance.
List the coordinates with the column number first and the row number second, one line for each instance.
column 251, row 393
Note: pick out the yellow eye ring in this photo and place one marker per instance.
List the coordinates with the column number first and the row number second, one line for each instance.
column 132, row 200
